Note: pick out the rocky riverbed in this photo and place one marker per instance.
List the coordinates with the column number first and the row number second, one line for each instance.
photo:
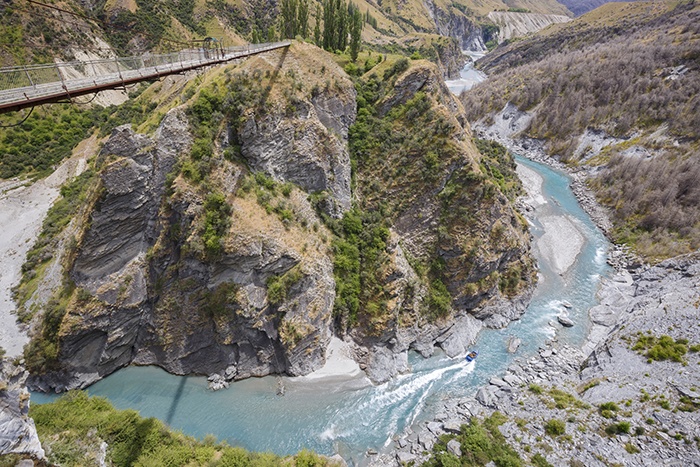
column 650, row 416
column 652, row 420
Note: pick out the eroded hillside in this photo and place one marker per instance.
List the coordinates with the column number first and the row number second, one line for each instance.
column 616, row 89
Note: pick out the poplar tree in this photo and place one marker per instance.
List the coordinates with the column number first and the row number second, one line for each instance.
column 329, row 24
column 317, row 28
column 355, row 33
column 302, row 19
column 288, row 10
column 341, row 24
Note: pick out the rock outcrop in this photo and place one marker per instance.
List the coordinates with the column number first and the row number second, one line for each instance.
column 305, row 140
column 17, row 431
column 149, row 290
column 514, row 24
column 454, row 23
column 427, row 219
column 216, row 261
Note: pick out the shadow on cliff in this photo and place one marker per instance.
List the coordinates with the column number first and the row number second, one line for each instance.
column 176, row 400
column 273, row 77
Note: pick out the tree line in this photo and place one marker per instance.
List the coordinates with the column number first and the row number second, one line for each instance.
column 338, row 24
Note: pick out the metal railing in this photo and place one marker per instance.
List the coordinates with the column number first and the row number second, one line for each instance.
column 34, row 82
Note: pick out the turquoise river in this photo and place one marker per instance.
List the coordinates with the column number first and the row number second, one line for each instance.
column 348, row 415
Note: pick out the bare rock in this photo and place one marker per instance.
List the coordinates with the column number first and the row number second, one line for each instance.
column 17, row 430
column 513, row 344
column 454, row 447
column 564, row 320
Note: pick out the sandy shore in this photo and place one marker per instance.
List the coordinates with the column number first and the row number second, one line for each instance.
column 22, row 211
column 339, row 362
column 532, row 183
column 562, row 241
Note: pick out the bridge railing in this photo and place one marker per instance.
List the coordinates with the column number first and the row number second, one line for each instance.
column 37, row 75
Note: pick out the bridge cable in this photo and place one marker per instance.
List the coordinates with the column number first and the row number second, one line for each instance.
column 23, row 120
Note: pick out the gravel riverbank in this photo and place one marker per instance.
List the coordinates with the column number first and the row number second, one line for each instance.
column 654, row 421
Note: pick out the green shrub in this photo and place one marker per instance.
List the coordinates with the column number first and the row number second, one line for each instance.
column 66, row 426
column 217, row 220
column 480, row 442
column 278, row 287
column 555, row 427
column 563, row 400
column 397, row 68
column 608, row 409
column 661, row 348
column 358, row 251
column 618, row 428
column 439, row 300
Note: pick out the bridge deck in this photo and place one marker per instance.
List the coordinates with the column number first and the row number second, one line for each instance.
column 51, row 83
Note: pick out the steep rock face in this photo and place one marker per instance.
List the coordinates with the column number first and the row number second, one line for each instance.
column 447, row 215
column 512, row 24
column 453, row 23
column 99, row 333
column 220, row 317
column 153, row 287
column 304, row 140
column 17, row 431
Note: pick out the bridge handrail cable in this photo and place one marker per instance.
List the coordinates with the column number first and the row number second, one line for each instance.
column 14, row 77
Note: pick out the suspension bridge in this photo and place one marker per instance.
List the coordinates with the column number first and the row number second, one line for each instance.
column 30, row 85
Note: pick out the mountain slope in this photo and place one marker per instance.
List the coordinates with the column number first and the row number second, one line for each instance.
column 617, row 88
column 579, row 7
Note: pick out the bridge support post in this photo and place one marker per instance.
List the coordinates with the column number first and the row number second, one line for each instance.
column 31, row 83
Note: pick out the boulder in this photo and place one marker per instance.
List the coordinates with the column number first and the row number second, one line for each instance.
column 565, row 321
column 454, row 447
column 452, row 426
column 513, row 344
column 17, row 430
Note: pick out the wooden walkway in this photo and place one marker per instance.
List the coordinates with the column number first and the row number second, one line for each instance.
column 27, row 86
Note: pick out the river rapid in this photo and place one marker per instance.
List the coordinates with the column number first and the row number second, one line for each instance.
column 344, row 413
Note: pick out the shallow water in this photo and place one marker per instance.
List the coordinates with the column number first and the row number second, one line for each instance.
column 349, row 415
column 468, row 77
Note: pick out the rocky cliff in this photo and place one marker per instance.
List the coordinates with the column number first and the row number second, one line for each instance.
column 513, row 24
column 459, row 242
column 151, row 285
column 17, row 431
column 217, row 244
column 453, row 23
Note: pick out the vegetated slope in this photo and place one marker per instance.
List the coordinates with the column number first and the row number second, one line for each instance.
column 223, row 237
column 618, row 87
column 79, row 430
column 579, row 7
